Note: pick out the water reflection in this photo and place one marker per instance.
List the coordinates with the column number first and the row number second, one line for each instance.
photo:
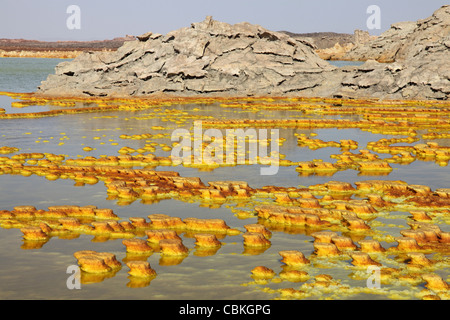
column 106, row 133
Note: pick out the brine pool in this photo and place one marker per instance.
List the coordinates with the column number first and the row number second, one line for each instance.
column 41, row 273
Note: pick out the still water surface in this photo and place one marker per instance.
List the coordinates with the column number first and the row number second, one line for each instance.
column 41, row 273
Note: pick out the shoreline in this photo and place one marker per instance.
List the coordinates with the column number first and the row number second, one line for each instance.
column 56, row 54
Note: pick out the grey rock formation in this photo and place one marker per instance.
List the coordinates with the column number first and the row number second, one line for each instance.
column 210, row 57
column 213, row 58
column 421, row 51
column 382, row 48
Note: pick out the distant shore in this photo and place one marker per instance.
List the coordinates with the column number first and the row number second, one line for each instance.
column 56, row 54
column 325, row 43
column 22, row 48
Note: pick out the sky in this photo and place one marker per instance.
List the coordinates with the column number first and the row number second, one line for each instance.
column 47, row 20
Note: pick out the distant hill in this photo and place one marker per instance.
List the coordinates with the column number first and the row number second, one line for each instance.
column 35, row 45
column 323, row 40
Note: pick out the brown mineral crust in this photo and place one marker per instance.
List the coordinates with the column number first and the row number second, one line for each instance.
column 69, row 210
column 173, row 247
column 308, row 203
column 70, row 223
column 444, row 237
column 115, row 225
column 282, row 197
column 86, row 211
column 97, row 262
column 362, row 259
column 432, row 232
column 356, row 224
column 255, row 239
column 23, row 213
column 288, row 218
column 110, row 259
column 206, row 240
column 93, row 264
column 431, row 201
column 83, row 253
column 137, row 246
column 294, row 275
column 45, row 227
column 325, row 249
column 259, row 228
column 141, row 269
column 388, row 274
column 313, row 220
column 371, row 245
column 377, row 201
column 323, row 236
column 127, row 193
column 265, row 211
column 53, row 214
column 339, row 186
column 163, row 221
column 102, row 227
column 418, row 235
column 127, row 226
column 378, row 165
column 34, row 233
column 435, row 282
column 399, row 187
column 6, row 215
column 156, row 235
column 406, row 244
column 217, row 225
column 293, row 258
column 262, row 272
column 443, row 192
column 343, row 243
column 105, row 214
column 23, row 209
column 139, row 222
column 420, row 216
column 418, row 259
column 358, row 207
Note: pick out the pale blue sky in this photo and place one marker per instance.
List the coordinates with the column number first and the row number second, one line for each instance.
column 101, row 19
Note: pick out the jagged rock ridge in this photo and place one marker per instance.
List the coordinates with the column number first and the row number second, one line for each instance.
column 210, row 57
column 213, row 58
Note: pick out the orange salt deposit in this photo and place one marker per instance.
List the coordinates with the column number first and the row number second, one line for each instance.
column 293, row 258
column 137, row 246
column 262, row 272
column 96, row 262
column 140, row 269
column 206, row 240
column 173, row 247
column 362, row 259
column 255, row 239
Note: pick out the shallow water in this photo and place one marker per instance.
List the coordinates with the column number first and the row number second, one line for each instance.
column 41, row 273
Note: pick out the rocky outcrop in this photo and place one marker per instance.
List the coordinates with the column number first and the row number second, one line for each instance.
column 213, row 58
column 421, row 51
column 339, row 50
column 405, row 39
column 210, row 57
column 382, row 48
